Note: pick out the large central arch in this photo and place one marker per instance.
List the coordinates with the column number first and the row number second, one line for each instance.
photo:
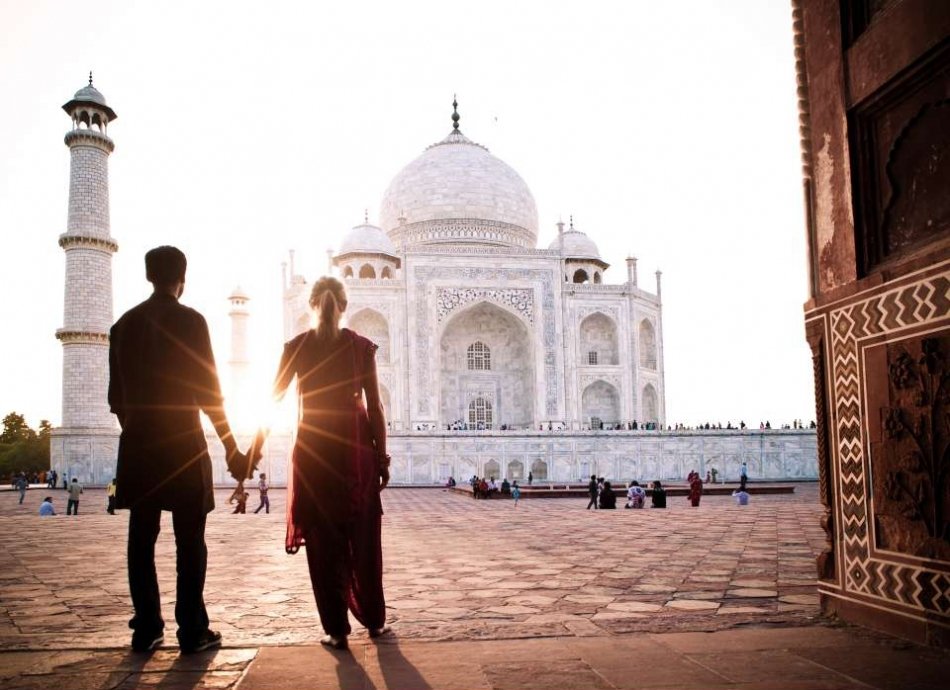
column 502, row 374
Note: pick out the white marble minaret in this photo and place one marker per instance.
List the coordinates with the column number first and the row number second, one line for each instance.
column 86, row 443
column 239, row 362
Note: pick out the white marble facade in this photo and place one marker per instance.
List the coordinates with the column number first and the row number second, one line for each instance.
column 477, row 326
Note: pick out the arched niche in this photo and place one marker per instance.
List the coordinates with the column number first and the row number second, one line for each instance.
column 509, row 384
column 539, row 470
column 492, row 469
column 581, row 276
column 515, row 470
column 367, row 271
column 649, row 403
column 371, row 324
column 600, row 401
column 481, row 414
column 599, row 335
column 597, row 278
column 478, row 356
column 647, row 345
column 348, row 272
column 387, row 273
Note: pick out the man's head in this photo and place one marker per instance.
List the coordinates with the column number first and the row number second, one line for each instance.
column 165, row 269
column 75, row 481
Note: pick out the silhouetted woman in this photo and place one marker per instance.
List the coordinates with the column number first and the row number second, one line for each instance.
column 339, row 466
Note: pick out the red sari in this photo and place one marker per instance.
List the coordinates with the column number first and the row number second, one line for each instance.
column 333, row 505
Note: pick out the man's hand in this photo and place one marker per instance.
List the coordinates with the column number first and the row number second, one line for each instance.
column 383, row 478
column 239, row 465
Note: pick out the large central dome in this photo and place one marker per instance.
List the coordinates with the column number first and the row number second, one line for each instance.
column 456, row 193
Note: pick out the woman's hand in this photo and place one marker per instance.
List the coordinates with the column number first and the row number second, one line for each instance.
column 383, row 477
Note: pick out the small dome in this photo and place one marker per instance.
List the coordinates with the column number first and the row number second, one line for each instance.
column 576, row 245
column 90, row 93
column 238, row 293
column 366, row 239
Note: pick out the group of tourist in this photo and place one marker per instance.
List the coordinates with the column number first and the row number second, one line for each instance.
column 485, row 488
column 602, row 496
column 240, row 496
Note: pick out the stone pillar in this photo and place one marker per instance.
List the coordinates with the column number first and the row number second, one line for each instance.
column 86, row 443
column 239, row 361
column 632, row 270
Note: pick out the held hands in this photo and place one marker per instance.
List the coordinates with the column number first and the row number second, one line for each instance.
column 242, row 465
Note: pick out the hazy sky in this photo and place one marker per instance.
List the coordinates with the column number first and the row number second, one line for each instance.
column 668, row 129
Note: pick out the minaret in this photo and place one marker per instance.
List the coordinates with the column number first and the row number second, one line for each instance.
column 239, row 361
column 85, row 446
column 632, row 270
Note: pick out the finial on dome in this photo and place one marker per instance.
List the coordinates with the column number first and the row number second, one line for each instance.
column 366, row 216
column 572, row 221
column 90, row 77
column 455, row 113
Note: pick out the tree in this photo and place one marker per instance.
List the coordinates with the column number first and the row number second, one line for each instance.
column 16, row 429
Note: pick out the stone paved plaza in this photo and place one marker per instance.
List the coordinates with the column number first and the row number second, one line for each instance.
column 467, row 580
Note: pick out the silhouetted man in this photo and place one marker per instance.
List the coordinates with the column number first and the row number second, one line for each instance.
column 592, row 491
column 162, row 373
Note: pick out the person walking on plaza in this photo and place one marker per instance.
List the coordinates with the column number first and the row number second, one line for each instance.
column 516, row 492
column 110, row 497
column 162, row 376
column 592, row 492
column 72, row 504
column 743, row 475
column 339, row 466
column 22, row 484
column 530, row 477
column 695, row 489
column 46, row 507
column 241, row 496
column 262, row 488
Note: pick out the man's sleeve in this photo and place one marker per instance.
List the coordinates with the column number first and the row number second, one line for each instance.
column 206, row 384
column 116, row 393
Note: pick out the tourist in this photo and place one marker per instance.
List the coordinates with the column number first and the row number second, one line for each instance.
column 695, row 489
column 658, row 495
column 46, row 507
column 72, row 505
column 262, row 488
column 339, row 466
column 51, row 480
column 21, row 483
column 110, row 497
column 741, row 496
column 592, row 491
column 516, row 492
column 483, row 488
column 505, row 487
column 608, row 499
column 636, row 496
column 474, row 483
column 240, row 496
column 743, row 475
column 530, row 478
column 162, row 376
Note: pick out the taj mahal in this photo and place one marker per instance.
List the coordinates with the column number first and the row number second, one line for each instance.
column 496, row 357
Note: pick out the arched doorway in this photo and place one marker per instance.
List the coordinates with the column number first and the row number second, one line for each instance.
column 650, row 404
column 600, row 404
column 647, row 345
column 486, row 369
column 539, row 470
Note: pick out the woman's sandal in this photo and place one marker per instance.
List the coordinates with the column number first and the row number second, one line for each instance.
column 379, row 632
column 334, row 642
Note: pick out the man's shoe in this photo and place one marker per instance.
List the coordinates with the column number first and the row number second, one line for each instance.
column 209, row 639
column 147, row 642
column 379, row 632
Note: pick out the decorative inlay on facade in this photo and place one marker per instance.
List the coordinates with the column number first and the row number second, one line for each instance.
column 105, row 244
column 853, row 329
column 461, row 230
column 612, row 379
column 89, row 137
column 607, row 310
column 84, row 337
column 521, row 301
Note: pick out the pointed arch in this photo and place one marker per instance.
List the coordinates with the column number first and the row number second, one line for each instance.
column 373, row 325
column 600, row 404
column 348, row 272
column 647, row 344
column 581, row 276
column 649, row 404
column 367, row 271
column 598, row 340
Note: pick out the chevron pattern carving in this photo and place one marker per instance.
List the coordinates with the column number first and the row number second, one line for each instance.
column 890, row 312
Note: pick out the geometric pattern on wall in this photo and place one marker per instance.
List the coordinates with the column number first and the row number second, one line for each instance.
column 914, row 302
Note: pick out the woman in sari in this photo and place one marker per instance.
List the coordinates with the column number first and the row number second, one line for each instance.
column 339, row 466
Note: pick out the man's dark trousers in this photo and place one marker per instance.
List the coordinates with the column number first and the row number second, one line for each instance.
column 192, row 562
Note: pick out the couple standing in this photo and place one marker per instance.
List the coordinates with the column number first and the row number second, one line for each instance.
column 162, row 374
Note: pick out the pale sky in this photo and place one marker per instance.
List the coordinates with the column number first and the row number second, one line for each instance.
column 668, row 129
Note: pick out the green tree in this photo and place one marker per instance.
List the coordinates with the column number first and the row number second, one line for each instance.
column 21, row 448
column 16, row 429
